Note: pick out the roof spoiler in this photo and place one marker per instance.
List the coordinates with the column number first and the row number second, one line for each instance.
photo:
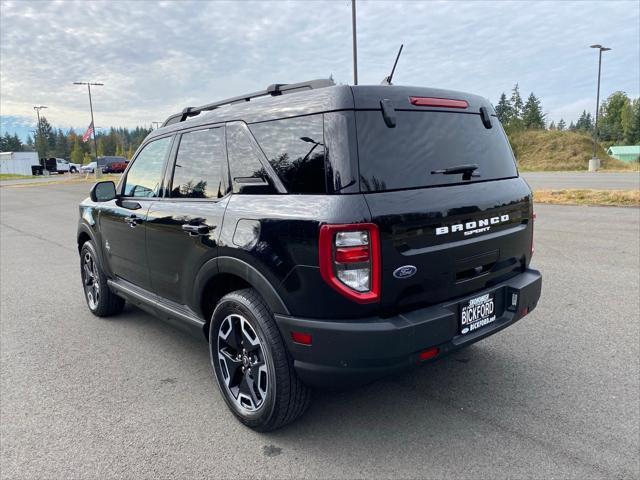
column 272, row 90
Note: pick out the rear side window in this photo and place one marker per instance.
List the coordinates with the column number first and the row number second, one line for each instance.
column 199, row 170
column 295, row 149
column 404, row 156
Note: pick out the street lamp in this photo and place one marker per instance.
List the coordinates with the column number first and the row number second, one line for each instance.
column 594, row 163
column 93, row 125
column 37, row 108
column 355, row 42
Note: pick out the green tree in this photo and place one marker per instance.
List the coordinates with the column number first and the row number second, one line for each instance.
column 572, row 126
column 11, row 143
column 532, row 116
column 629, row 121
column 100, row 147
column 516, row 102
column 584, row 123
column 552, row 125
column 62, row 149
column 77, row 155
column 610, row 127
column 503, row 109
column 561, row 124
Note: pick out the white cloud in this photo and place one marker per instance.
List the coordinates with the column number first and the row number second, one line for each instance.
column 156, row 58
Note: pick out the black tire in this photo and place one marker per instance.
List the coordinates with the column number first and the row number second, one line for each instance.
column 100, row 299
column 73, row 170
column 285, row 397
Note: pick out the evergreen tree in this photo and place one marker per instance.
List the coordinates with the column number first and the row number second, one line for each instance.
column 584, row 123
column 77, row 155
column 552, row 125
column 516, row 102
column 532, row 115
column 61, row 145
column 561, row 124
column 504, row 110
column 572, row 127
column 10, row 143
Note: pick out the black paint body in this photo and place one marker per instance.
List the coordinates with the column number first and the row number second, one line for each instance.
column 270, row 242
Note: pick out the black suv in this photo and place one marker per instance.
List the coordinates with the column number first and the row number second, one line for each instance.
column 320, row 236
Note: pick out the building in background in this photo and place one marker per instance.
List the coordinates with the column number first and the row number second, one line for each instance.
column 626, row 153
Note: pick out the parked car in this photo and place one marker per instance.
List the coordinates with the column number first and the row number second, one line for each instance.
column 115, row 167
column 89, row 167
column 322, row 237
column 105, row 161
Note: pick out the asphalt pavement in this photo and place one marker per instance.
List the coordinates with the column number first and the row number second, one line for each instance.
column 554, row 396
column 583, row 180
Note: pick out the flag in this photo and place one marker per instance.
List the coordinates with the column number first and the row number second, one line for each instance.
column 88, row 133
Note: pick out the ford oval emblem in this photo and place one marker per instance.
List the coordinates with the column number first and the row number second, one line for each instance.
column 405, row 271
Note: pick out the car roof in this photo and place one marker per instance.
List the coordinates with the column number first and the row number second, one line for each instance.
column 334, row 98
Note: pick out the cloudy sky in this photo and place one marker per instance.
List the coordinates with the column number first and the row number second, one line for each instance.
column 157, row 57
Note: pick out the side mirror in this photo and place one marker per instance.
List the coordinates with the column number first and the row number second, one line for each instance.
column 103, row 191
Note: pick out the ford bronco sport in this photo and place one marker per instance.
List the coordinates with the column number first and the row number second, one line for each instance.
column 319, row 236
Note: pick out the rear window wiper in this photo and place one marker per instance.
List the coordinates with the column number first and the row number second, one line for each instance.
column 466, row 170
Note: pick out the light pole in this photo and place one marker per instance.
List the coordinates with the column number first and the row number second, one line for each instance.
column 594, row 163
column 37, row 108
column 355, row 42
column 93, row 125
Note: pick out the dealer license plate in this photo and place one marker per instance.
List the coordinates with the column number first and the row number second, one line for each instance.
column 477, row 313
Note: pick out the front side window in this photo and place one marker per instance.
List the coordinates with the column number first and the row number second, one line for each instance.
column 145, row 175
column 199, row 170
column 296, row 151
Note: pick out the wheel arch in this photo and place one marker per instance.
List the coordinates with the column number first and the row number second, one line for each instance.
column 223, row 275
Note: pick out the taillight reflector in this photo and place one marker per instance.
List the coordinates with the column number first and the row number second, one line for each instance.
column 350, row 263
column 352, row 254
column 428, row 354
column 533, row 221
column 301, row 338
column 438, row 102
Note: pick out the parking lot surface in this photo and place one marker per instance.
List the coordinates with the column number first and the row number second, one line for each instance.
column 554, row 396
column 583, row 180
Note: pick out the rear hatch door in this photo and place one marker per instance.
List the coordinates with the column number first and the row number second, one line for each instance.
column 442, row 235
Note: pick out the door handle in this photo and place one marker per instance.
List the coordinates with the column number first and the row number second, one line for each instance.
column 194, row 230
column 132, row 220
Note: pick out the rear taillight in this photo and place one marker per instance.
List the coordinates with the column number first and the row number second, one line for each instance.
column 349, row 258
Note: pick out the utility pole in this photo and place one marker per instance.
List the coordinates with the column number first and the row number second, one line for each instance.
column 93, row 125
column 594, row 163
column 37, row 108
column 355, row 42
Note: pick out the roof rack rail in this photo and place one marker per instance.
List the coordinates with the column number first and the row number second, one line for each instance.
column 273, row 90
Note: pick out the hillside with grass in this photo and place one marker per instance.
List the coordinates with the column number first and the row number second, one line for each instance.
column 554, row 150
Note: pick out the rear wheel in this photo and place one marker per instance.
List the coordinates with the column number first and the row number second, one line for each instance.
column 251, row 364
column 100, row 299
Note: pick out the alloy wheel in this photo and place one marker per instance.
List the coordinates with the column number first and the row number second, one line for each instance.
column 242, row 362
column 91, row 282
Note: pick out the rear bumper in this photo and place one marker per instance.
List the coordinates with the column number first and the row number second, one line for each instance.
column 350, row 352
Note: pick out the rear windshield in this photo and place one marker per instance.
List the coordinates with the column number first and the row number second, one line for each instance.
column 405, row 156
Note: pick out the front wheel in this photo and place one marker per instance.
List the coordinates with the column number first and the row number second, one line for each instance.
column 100, row 299
column 251, row 364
